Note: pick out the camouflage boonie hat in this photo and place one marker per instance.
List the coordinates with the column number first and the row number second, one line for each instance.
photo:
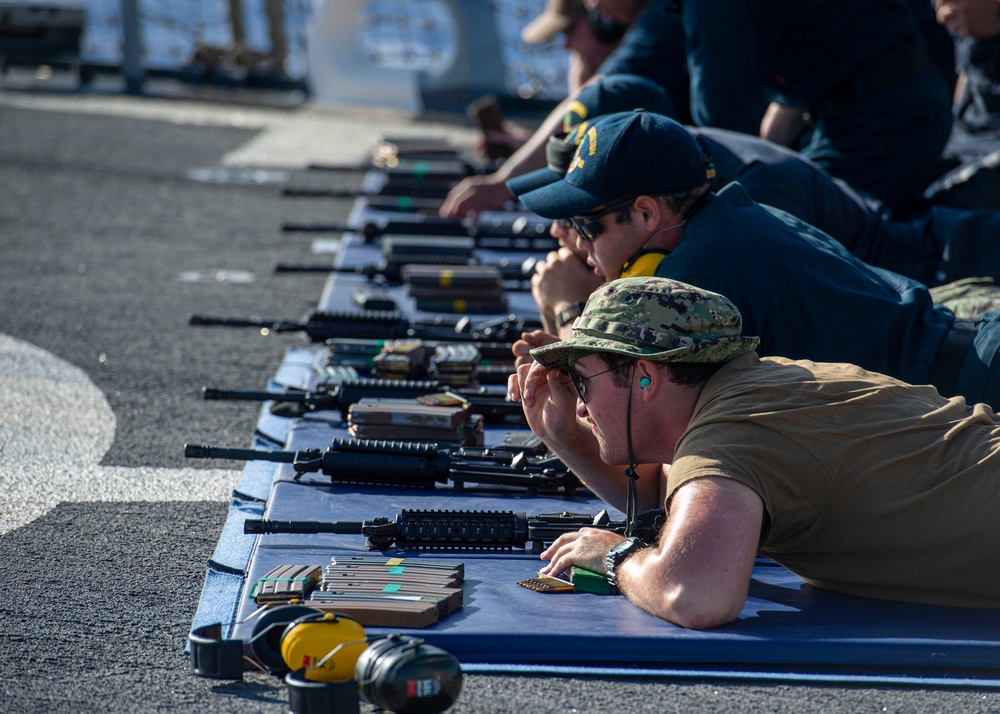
column 653, row 318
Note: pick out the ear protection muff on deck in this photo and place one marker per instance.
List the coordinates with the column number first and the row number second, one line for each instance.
column 323, row 646
column 265, row 639
column 327, row 659
column 326, row 644
column 408, row 676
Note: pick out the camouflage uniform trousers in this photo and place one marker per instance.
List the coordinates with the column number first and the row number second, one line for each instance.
column 969, row 298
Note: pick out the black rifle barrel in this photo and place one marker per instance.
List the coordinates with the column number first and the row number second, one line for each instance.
column 322, row 325
column 268, row 526
column 342, row 395
column 195, row 451
column 209, row 320
column 252, row 395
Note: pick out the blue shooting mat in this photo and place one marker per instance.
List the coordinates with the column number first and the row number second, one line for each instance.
column 787, row 630
column 296, row 372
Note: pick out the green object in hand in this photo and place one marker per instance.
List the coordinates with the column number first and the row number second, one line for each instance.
column 587, row 581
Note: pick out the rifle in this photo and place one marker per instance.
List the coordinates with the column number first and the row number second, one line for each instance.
column 516, row 276
column 413, row 463
column 439, row 167
column 465, row 530
column 401, row 188
column 496, row 360
column 322, row 325
column 403, row 204
column 518, row 234
column 490, row 353
column 400, row 251
column 340, row 397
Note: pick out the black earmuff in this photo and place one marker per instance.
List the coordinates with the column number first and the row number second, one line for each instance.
column 328, row 660
column 265, row 639
column 408, row 676
column 559, row 153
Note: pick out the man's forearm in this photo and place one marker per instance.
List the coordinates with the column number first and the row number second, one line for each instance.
column 531, row 155
column 698, row 574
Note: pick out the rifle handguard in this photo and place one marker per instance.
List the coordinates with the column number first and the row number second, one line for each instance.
column 465, row 530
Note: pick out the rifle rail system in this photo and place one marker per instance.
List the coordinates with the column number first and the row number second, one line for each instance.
column 464, row 530
column 414, row 464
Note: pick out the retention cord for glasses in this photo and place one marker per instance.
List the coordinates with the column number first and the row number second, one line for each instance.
column 630, row 472
column 635, row 256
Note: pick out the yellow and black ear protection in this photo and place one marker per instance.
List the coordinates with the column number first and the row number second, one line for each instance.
column 327, row 658
column 325, row 644
column 642, row 264
column 265, row 638
column 408, row 676
column 224, row 658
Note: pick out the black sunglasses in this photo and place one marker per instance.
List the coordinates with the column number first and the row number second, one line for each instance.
column 580, row 382
column 587, row 226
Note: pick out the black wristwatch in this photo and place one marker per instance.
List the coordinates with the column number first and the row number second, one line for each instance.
column 618, row 555
column 569, row 314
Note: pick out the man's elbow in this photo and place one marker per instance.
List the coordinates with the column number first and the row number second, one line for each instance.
column 697, row 610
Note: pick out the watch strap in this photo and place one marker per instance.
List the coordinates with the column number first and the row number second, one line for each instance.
column 569, row 314
column 618, row 555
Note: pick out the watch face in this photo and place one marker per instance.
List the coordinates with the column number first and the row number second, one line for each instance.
column 627, row 545
column 618, row 554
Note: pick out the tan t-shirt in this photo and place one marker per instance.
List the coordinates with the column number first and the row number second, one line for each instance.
column 870, row 486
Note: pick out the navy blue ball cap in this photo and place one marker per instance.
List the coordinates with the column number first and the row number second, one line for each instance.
column 532, row 181
column 615, row 93
column 608, row 95
column 626, row 154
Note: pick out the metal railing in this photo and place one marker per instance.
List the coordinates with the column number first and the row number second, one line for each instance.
column 402, row 48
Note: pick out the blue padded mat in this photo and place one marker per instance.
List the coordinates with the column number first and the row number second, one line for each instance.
column 787, row 631
column 787, row 628
column 224, row 579
column 785, row 622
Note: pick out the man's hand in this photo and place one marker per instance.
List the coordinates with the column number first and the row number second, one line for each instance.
column 529, row 341
column 549, row 403
column 474, row 194
column 561, row 280
column 512, row 137
column 977, row 19
column 586, row 548
column 782, row 125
